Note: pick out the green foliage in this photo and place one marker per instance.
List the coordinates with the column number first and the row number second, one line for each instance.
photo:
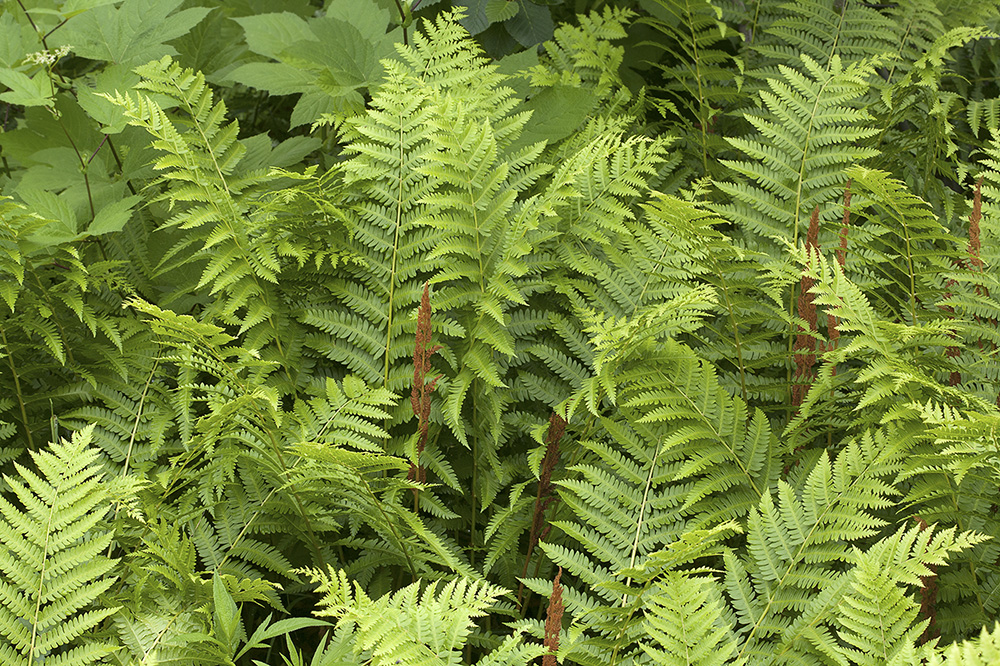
column 53, row 563
column 695, row 304
column 413, row 625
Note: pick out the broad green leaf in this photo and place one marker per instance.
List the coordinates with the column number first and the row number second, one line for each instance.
column 132, row 34
column 475, row 20
column 276, row 78
column 54, row 168
column 16, row 40
column 261, row 155
column 557, row 111
column 341, row 48
column 62, row 227
column 311, row 106
column 116, row 78
column 516, row 66
column 270, row 34
column 214, row 47
column 113, row 217
column 532, row 25
column 73, row 7
column 501, row 10
column 25, row 90
column 368, row 17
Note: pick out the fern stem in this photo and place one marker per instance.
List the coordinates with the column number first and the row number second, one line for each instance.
column 17, row 388
column 44, row 559
column 132, row 436
column 118, row 163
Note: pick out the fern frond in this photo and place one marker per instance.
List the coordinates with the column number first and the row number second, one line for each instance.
column 877, row 619
column 52, row 570
column 850, row 31
column 808, row 129
column 793, row 575
column 415, row 625
column 684, row 621
column 983, row 651
column 697, row 73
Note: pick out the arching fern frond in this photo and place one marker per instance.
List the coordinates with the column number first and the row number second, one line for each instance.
column 983, row 651
column 199, row 158
column 363, row 321
column 899, row 246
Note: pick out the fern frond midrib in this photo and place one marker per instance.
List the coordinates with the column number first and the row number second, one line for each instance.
column 41, row 581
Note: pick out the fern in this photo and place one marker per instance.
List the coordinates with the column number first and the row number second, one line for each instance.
column 697, row 81
column 414, row 625
column 848, row 31
column 808, row 128
column 388, row 147
column 199, row 160
column 53, row 572
column 878, row 620
column 982, row 652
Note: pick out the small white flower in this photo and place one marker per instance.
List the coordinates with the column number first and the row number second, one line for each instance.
column 47, row 58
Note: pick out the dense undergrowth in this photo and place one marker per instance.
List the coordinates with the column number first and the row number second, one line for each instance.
column 331, row 335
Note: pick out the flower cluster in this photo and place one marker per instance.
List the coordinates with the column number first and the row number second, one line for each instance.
column 47, row 57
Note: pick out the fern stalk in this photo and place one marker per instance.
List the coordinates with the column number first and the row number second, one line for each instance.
column 17, row 388
column 928, row 597
column 804, row 349
column 543, row 497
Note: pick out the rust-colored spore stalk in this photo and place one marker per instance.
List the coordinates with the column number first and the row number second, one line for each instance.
column 420, row 395
column 553, row 622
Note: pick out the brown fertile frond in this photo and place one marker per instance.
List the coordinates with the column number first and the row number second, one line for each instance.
column 420, row 395
column 553, row 621
column 544, row 497
column 805, row 344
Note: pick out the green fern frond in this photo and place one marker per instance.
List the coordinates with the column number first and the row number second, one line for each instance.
column 684, row 621
column 877, row 619
column 583, row 54
column 53, row 569
column 369, row 312
column 415, row 625
column 808, row 129
column 850, row 31
column 898, row 244
column 793, row 574
column 983, row 651
column 199, row 158
column 745, row 340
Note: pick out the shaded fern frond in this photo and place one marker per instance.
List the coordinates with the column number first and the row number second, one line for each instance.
column 697, row 73
column 850, row 31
